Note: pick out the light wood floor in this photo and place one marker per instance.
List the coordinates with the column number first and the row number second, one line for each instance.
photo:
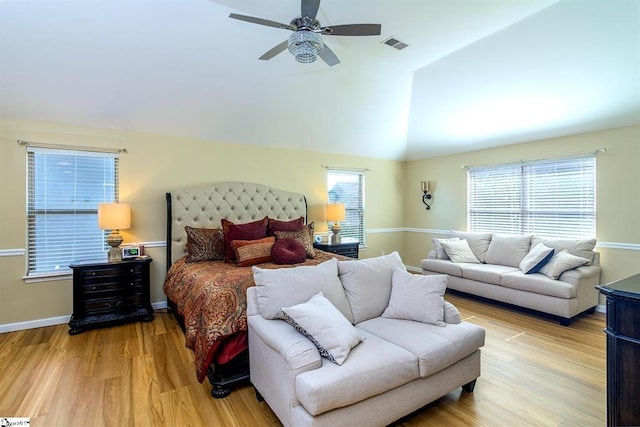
column 534, row 372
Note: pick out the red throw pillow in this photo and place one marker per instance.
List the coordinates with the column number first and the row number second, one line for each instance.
column 252, row 252
column 288, row 251
column 248, row 231
column 277, row 225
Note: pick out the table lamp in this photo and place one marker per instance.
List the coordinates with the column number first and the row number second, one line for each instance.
column 336, row 213
column 114, row 217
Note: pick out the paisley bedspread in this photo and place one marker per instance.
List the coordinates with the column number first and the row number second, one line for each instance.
column 211, row 298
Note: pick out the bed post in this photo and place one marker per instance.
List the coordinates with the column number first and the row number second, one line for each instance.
column 169, row 219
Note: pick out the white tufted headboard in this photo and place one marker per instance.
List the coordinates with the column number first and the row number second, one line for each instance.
column 239, row 202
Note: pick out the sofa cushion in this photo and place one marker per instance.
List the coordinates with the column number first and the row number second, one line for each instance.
column 537, row 257
column 437, row 244
column 418, row 298
column 478, row 241
column 442, row 266
column 578, row 247
column 539, row 284
column 561, row 262
column 459, row 251
column 436, row 347
column 367, row 283
column 284, row 287
column 317, row 319
column 373, row 367
column 507, row 249
column 488, row 273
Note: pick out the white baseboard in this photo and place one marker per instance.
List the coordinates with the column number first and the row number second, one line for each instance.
column 32, row 324
column 52, row 321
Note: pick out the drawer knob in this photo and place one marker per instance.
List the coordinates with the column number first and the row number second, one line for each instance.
column 93, row 273
column 114, row 305
column 93, row 288
column 131, row 284
column 131, row 270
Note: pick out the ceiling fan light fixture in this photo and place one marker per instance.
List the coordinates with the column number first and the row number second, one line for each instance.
column 305, row 45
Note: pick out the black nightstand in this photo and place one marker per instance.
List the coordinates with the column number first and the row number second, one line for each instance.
column 347, row 247
column 110, row 293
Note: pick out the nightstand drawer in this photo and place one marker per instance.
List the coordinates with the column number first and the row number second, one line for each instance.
column 106, row 289
column 113, row 271
column 108, row 305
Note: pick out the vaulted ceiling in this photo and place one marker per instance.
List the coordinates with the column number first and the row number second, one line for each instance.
column 476, row 73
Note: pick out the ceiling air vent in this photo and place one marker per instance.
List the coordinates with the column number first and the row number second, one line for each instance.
column 395, row 43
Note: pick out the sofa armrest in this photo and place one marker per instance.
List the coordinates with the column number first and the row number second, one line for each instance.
column 451, row 313
column 297, row 350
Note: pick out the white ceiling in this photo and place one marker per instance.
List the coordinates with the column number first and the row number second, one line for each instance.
column 477, row 73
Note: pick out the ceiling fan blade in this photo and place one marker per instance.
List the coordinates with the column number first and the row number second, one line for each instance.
column 275, row 50
column 310, row 8
column 353, row 30
column 328, row 56
column 261, row 21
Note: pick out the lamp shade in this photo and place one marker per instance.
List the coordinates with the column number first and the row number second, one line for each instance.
column 336, row 212
column 114, row 216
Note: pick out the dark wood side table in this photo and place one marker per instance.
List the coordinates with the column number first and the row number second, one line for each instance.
column 348, row 246
column 623, row 351
column 110, row 293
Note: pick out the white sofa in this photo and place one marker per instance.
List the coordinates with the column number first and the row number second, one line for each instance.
column 559, row 288
column 396, row 367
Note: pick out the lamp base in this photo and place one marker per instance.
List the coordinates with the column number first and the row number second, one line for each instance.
column 336, row 239
column 114, row 240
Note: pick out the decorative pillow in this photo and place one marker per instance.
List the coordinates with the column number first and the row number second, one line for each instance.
column 204, row 244
column 304, row 236
column 537, row 257
column 581, row 247
column 248, row 231
column 437, row 244
column 417, row 297
column 288, row 251
column 561, row 262
column 283, row 287
column 459, row 251
column 252, row 252
column 276, row 225
column 321, row 322
column 478, row 242
column 367, row 283
column 507, row 249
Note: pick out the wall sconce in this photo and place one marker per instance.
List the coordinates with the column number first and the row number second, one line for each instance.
column 424, row 185
column 114, row 217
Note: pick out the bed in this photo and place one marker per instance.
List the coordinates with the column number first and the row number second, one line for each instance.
column 208, row 298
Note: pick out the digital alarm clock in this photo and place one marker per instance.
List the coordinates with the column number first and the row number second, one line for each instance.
column 132, row 251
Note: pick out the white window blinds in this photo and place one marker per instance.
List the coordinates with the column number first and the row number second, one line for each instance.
column 548, row 198
column 64, row 190
column 347, row 187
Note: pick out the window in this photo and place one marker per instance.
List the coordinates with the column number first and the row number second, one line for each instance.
column 347, row 187
column 64, row 190
column 547, row 198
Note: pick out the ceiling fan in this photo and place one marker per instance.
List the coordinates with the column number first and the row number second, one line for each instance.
column 305, row 43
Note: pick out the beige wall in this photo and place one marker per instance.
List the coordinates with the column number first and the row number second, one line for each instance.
column 156, row 164
column 618, row 193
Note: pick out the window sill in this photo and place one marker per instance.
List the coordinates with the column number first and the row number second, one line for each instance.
column 48, row 277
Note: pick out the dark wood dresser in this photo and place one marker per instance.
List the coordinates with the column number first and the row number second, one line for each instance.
column 623, row 351
column 348, row 246
column 110, row 293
